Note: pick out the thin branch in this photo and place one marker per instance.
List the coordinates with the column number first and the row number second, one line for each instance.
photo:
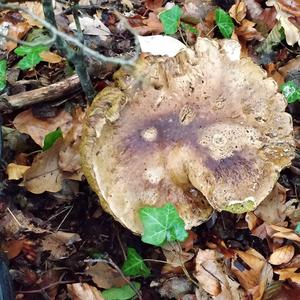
column 74, row 56
column 45, row 288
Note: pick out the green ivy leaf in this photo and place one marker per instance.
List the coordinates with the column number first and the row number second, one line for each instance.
column 224, row 22
column 29, row 61
column 297, row 229
column 170, row 19
column 3, row 71
column 161, row 225
column 51, row 138
column 123, row 293
column 30, row 55
column 134, row 264
column 291, row 91
column 25, row 50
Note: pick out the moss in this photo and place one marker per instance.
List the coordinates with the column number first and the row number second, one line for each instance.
column 239, row 208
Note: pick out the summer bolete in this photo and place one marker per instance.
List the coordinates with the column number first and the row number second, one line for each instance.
column 203, row 130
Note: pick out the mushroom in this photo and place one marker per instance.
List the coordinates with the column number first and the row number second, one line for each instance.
column 203, row 130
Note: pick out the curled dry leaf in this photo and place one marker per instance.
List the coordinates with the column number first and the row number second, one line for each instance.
column 238, row 11
column 292, row 33
column 282, row 255
column 284, row 233
column 288, row 273
column 105, row 276
column 247, row 31
column 15, row 172
column 273, row 209
column 57, row 243
column 50, row 57
column 36, row 8
column 212, row 276
column 251, row 220
column 290, row 6
column 83, row 291
column 15, row 31
column 37, row 128
column 174, row 254
column 145, row 26
column 45, row 173
column 69, row 157
column 254, row 273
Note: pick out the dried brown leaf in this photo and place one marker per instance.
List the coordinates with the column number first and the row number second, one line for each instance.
column 153, row 4
column 255, row 275
column 282, row 255
column 15, row 172
column 238, row 11
column 15, row 31
column 13, row 248
column 146, row 26
column 213, row 278
column 273, row 209
column 251, row 220
column 247, row 32
column 36, row 8
column 83, row 291
column 174, row 254
column 290, row 6
column 50, row 57
column 69, row 158
column 45, row 173
column 37, row 128
column 289, row 273
column 57, row 243
column 105, row 276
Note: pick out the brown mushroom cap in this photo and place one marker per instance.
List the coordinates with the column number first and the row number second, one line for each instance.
column 198, row 130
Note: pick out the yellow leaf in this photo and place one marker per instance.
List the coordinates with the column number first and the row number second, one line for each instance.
column 282, row 255
column 15, row 171
column 50, row 57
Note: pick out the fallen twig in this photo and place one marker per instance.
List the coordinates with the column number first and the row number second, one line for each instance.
column 51, row 92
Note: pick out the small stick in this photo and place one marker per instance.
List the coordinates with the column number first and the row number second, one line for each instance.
column 49, row 93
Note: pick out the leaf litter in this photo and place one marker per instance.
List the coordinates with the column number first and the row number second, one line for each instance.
column 47, row 224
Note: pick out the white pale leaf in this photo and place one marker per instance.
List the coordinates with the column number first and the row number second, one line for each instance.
column 92, row 26
column 161, row 45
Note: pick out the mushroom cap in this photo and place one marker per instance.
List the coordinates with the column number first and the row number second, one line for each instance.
column 201, row 130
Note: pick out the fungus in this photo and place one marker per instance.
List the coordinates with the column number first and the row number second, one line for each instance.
column 203, row 130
